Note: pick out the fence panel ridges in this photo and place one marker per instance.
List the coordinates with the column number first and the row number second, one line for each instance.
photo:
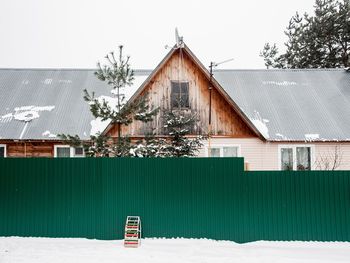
column 180, row 197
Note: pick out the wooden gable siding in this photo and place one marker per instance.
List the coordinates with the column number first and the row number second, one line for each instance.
column 225, row 121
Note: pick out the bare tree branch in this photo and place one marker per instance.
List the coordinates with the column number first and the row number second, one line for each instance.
column 330, row 160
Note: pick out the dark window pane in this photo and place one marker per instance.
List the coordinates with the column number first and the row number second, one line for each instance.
column 303, row 158
column 184, row 100
column 215, row 152
column 175, row 100
column 63, row 152
column 179, row 94
column 184, row 87
column 2, row 151
column 175, row 87
column 286, row 159
column 79, row 151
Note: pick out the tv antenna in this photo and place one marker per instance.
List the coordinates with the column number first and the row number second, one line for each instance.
column 211, row 66
column 178, row 40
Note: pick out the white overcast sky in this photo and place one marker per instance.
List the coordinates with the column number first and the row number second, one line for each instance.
column 78, row 33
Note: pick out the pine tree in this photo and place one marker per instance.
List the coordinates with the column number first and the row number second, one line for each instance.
column 118, row 74
column 150, row 147
column 269, row 54
column 318, row 41
column 178, row 126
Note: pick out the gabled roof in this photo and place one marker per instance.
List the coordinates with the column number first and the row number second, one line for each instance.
column 293, row 105
column 281, row 105
column 52, row 99
column 202, row 68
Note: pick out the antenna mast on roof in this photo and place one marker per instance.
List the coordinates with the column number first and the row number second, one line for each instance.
column 179, row 40
column 212, row 64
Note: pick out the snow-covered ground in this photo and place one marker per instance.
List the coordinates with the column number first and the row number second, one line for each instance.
column 53, row 250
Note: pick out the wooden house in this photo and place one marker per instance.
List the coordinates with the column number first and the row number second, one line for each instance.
column 275, row 119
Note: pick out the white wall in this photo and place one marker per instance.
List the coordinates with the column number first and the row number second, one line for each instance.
column 264, row 155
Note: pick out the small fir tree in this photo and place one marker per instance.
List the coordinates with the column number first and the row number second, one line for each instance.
column 178, row 127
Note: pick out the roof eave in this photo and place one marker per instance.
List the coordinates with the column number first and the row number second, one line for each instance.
column 222, row 91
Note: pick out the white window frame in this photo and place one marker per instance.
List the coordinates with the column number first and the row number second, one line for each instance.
column 78, row 156
column 221, row 146
column 71, row 151
column 5, row 149
column 294, row 149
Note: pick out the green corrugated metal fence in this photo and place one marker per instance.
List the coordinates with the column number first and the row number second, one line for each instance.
column 180, row 197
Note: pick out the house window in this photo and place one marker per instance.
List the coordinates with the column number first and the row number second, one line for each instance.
column 68, row 151
column 2, row 150
column 230, row 151
column 286, row 159
column 223, row 151
column 79, row 152
column 179, row 94
column 303, row 158
column 295, row 157
column 215, row 152
column 62, row 151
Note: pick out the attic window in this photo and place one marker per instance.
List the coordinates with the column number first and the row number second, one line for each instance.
column 179, row 94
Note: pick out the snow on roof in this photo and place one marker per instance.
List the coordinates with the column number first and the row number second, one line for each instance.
column 98, row 125
column 48, row 134
column 260, row 124
column 293, row 105
column 128, row 91
column 301, row 105
column 41, row 103
column 25, row 113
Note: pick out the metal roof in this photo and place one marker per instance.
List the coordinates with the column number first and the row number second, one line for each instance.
column 284, row 105
column 52, row 99
column 293, row 105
